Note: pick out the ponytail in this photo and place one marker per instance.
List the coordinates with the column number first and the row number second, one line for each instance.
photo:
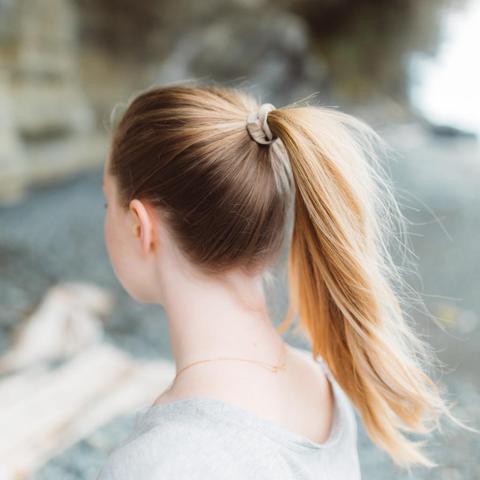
column 342, row 278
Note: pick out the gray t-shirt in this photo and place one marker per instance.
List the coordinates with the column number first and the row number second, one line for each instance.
column 201, row 438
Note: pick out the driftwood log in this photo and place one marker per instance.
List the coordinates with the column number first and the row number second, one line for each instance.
column 45, row 409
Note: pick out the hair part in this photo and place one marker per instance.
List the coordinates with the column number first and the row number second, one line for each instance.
column 226, row 200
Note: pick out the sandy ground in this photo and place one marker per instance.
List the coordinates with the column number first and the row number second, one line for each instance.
column 57, row 234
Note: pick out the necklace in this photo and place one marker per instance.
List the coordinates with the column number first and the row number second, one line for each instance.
column 268, row 366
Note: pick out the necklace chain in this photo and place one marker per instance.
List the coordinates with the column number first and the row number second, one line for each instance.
column 268, row 366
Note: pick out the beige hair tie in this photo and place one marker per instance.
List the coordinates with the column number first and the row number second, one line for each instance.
column 257, row 125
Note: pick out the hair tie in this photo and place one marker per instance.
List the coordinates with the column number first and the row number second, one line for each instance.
column 257, row 125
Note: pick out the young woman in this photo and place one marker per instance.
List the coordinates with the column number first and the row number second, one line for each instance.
column 200, row 182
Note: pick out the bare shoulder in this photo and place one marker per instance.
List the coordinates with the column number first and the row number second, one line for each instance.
column 340, row 397
column 303, row 353
column 306, row 365
column 309, row 396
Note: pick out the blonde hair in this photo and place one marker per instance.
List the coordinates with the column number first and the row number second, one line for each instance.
column 186, row 149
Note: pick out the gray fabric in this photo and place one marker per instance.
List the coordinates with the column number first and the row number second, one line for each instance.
column 257, row 125
column 200, row 438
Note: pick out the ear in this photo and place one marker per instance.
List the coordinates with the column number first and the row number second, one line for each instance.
column 142, row 224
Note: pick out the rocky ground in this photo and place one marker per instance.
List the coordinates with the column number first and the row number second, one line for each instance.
column 57, row 234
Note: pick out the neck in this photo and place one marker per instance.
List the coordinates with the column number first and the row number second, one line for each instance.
column 211, row 318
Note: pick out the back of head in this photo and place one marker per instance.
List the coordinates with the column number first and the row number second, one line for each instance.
column 225, row 196
column 225, row 177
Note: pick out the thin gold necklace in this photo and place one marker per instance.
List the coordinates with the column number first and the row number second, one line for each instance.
column 268, row 366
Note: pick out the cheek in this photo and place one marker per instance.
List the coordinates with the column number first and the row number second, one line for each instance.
column 112, row 243
column 121, row 254
column 108, row 233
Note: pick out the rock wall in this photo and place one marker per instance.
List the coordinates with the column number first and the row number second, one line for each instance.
column 47, row 125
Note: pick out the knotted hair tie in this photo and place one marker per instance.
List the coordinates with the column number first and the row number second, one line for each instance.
column 257, row 125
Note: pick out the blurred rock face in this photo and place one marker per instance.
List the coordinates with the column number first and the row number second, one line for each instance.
column 47, row 111
column 249, row 44
column 248, row 48
column 48, row 96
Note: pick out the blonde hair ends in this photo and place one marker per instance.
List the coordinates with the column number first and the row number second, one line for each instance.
column 342, row 277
